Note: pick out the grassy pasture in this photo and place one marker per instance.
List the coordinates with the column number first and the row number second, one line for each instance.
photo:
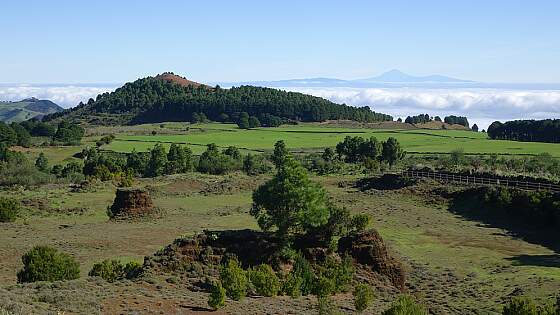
column 315, row 137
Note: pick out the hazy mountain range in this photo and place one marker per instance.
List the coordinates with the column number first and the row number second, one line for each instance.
column 26, row 109
column 393, row 79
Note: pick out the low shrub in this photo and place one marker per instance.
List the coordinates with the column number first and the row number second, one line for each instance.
column 43, row 263
column 265, row 280
column 526, row 306
column 9, row 209
column 217, row 298
column 363, row 296
column 405, row 305
column 234, row 280
column 112, row 270
column 326, row 306
column 292, row 285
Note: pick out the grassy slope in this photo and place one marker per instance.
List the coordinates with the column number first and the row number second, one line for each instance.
column 455, row 264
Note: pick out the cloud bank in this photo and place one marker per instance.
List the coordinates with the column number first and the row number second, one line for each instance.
column 481, row 106
column 63, row 95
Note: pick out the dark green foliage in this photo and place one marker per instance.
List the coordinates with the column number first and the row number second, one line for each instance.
column 105, row 140
column 243, row 121
column 302, row 273
column 9, row 209
column 356, row 149
column 113, row 270
column 392, row 151
column 42, row 163
column 154, row 100
column 233, row 152
column 217, row 298
column 179, row 160
column 405, row 305
column 456, row 120
column 547, row 130
column 234, row 280
column 334, row 276
column 254, row 122
column 137, row 162
column 474, row 128
column 360, row 222
column 280, row 154
column 264, row 280
column 23, row 136
column 419, row 119
column 8, row 136
column 526, row 306
column 15, row 169
column 45, row 263
column 538, row 208
column 212, row 161
column 38, row 128
column 256, row 164
column 68, row 133
column 326, row 163
column 363, row 297
column 290, row 201
column 102, row 165
column 157, row 161
column 291, row 286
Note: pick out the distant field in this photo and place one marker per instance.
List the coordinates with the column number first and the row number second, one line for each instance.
column 312, row 137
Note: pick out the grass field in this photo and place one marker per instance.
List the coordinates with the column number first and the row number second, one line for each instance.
column 313, row 137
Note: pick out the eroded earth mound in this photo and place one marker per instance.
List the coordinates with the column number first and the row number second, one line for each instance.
column 131, row 202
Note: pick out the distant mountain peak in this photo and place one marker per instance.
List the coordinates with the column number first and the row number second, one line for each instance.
column 397, row 76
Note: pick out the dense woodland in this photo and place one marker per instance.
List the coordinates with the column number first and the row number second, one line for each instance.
column 547, row 130
column 155, row 100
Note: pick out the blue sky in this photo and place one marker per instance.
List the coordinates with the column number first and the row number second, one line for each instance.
column 118, row 41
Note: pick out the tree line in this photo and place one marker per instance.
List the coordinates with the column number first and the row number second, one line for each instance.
column 154, row 100
column 64, row 133
column 547, row 130
column 425, row 118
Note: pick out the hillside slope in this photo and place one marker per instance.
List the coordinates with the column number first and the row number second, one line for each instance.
column 169, row 97
column 27, row 109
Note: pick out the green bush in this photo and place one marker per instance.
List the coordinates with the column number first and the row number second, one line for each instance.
column 339, row 274
column 45, row 263
column 234, row 280
column 360, row 222
column 303, row 272
column 526, row 306
column 323, row 286
column 292, row 285
column 217, row 298
column 9, row 209
column 112, row 270
column 363, row 296
column 265, row 280
column 405, row 305
column 255, row 165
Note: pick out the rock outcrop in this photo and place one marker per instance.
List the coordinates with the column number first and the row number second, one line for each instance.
column 130, row 202
column 367, row 248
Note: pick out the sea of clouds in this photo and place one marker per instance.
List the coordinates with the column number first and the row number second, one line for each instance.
column 481, row 106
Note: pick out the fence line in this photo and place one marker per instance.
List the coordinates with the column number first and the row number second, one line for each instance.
column 467, row 179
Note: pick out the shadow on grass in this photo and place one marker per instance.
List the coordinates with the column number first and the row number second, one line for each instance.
column 536, row 260
column 385, row 182
column 470, row 205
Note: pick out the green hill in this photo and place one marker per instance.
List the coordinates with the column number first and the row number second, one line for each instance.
column 27, row 109
column 169, row 97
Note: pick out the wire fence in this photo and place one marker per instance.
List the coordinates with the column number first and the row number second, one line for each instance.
column 474, row 180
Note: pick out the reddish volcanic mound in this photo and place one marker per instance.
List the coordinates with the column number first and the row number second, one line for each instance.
column 171, row 77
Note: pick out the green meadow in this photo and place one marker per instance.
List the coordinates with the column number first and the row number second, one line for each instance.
column 313, row 137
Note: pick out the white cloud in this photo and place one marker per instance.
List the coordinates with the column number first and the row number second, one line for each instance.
column 481, row 106
column 65, row 96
